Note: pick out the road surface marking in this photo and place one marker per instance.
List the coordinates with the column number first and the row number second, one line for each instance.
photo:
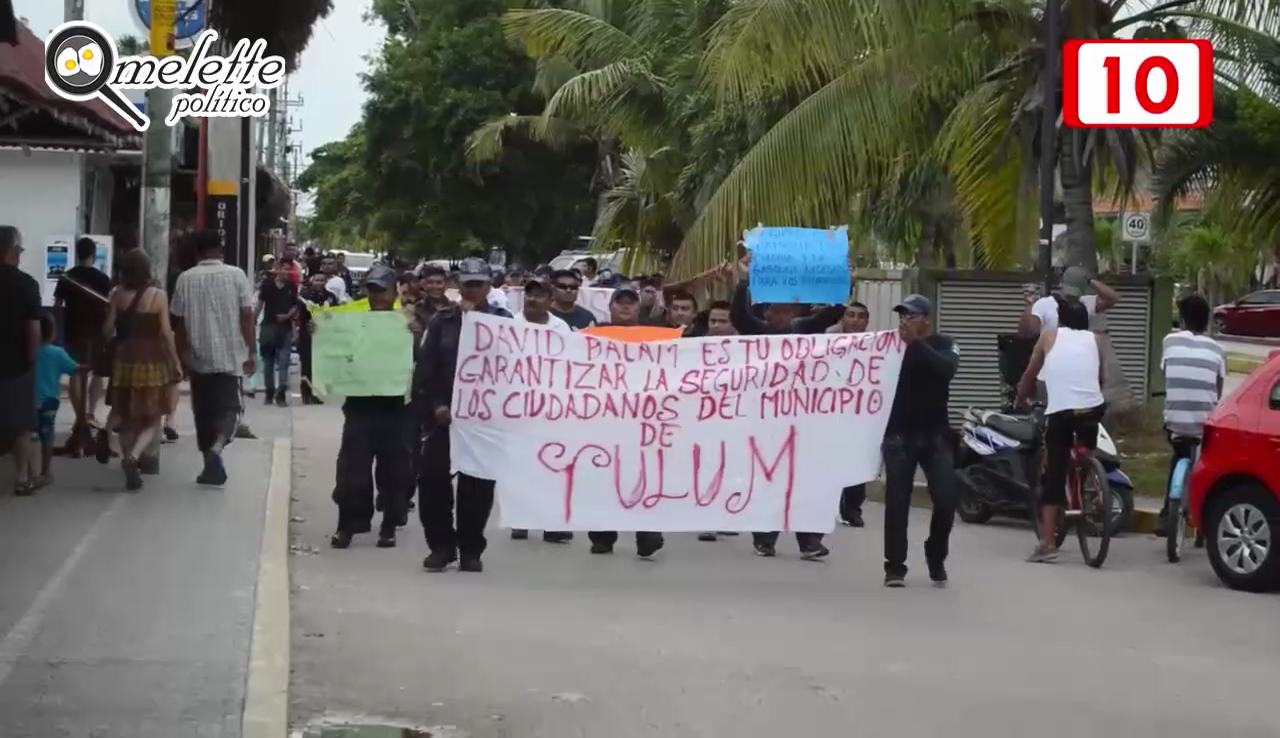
column 15, row 643
column 266, row 698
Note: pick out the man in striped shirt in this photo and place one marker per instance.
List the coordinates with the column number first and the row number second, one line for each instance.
column 1195, row 367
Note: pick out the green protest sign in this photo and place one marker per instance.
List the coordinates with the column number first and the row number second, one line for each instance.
column 361, row 354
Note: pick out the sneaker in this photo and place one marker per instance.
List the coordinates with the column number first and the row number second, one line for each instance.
column 170, row 435
column 557, row 537
column 341, row 539
column 815, row 553
column 243, row 431
column 856, row 521
column 282, row 399
column 766, row 550
column 707, row 537
column 648, row 547
column 215, row 472
column 471, row 564
column 1043, row 556
column 602, row 548
column 386, row 540
column 895, row 581
column 132, row 475
column 519, row 534
column 730, row 533
column 438, row 561
column 938, row 574
column 270, row 395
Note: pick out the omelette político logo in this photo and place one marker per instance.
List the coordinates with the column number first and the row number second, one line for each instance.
column 81, row 63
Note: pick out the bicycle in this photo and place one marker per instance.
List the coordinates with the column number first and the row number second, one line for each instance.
column 1179, row 517
column 1088, row 505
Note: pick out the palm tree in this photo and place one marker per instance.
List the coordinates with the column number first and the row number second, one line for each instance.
column 888, row 89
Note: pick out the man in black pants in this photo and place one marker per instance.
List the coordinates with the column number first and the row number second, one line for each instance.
column 779, row 319
column 856, row 317
column 375, row 430
column 624, row 311
column 432, row 397
column 919, row 434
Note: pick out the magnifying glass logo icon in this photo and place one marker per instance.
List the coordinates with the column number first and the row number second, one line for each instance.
column 79, row 59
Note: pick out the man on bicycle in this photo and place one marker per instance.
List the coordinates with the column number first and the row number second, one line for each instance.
column 1195, row 367
column 1067, row 359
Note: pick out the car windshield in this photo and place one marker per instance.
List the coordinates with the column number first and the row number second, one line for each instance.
column 359, row 261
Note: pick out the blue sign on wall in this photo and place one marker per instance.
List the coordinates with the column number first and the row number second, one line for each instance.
column 190, row 16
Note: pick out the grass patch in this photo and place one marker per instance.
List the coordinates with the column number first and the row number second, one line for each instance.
column 1143, row 447
column 1237, row 364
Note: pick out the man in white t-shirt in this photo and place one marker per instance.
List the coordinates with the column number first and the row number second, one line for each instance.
column 1042, row 314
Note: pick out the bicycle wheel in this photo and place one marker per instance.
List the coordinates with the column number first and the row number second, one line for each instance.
column 1092, row 528
column 1175, row 526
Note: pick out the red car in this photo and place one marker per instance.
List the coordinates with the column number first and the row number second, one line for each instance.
column 1235, row 485
column 1255, row 314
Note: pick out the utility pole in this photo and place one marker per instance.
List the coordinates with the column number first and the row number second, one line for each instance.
column 157, row 152
column 273, row 101
column 72, row 10
column 1048, row 140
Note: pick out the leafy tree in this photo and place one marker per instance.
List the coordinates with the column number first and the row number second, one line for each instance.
column 443, row 71
column 285, row 25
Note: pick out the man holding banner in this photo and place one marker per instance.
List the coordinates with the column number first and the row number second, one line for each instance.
column 780, row 319
column 433, row 396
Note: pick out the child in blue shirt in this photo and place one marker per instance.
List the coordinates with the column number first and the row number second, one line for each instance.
column 52, row 364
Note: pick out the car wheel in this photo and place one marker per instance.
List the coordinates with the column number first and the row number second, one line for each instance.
column 1219, row 325
column 1241, row 527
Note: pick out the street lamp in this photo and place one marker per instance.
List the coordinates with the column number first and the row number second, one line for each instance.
column 1048, row 139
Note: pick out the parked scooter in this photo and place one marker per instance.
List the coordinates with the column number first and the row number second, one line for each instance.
column 998, row 461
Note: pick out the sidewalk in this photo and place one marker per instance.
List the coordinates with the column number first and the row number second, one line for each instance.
column 131, row 615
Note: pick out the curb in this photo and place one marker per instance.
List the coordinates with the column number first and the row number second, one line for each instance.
column 1239, row 364
column 266, row 696
column 1144, row 518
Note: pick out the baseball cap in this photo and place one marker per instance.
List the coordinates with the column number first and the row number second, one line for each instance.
column 915, row 305
column 1075, row 280
column 268, row 258
column 624, row 291
column 536, row 287
column 383, row 277
column 474, row 269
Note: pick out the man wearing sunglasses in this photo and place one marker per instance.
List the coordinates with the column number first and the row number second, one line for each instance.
column 432, row 396
column 918, row 434
column 565, row 286
column 855, row 320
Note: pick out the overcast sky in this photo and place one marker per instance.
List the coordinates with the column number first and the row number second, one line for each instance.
column 328, row 77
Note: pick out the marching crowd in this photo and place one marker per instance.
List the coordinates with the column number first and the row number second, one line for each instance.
column 213, row 324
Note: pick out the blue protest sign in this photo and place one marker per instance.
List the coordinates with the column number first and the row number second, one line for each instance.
column 190, row 17
column 799, row 264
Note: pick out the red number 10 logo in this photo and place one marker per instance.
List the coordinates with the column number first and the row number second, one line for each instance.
column 1126, row 83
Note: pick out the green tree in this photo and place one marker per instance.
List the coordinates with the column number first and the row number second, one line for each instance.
column 444, row 70
column 930, row 97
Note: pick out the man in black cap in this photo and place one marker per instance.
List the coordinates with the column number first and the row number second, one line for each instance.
column 433, row 396
column 919, row 434
column 624, row 310
column 375, row 430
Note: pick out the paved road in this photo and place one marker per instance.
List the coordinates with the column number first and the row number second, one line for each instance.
column 129, row 615
column 712, row 641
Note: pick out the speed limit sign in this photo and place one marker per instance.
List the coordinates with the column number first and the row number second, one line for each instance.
column 1137, row 227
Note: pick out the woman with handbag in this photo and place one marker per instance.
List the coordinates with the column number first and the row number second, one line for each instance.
column 144, row 363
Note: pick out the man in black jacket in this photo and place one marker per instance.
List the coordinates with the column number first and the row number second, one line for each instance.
column 779, row 319
column 433, row 396
column 919, row 434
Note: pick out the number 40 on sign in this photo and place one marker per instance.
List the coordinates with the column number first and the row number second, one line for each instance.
column 1131, row 83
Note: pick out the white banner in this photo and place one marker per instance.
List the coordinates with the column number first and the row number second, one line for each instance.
column 748, row 433
column 595, row 299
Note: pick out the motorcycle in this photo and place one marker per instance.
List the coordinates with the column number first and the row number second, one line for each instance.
column 998, row 462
